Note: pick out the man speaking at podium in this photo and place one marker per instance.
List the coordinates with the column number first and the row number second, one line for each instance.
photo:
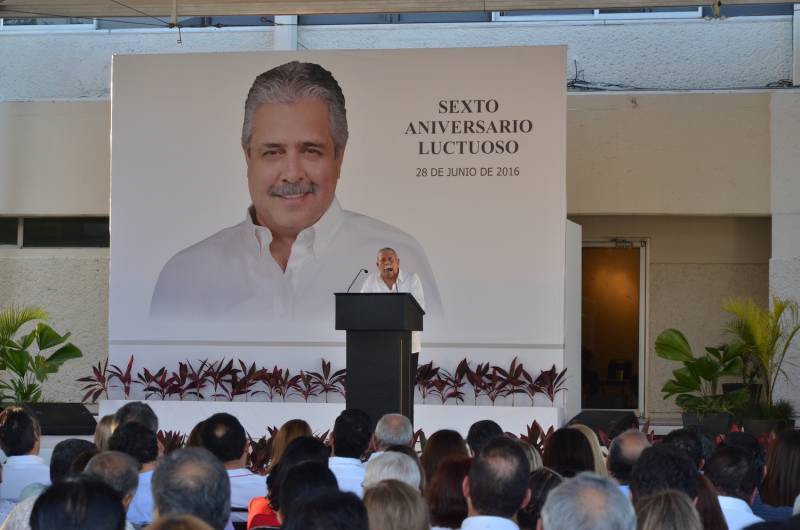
column 296, row 245
column 390, row 279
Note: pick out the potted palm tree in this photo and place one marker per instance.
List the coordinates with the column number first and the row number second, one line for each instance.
column 764, row 335
column 695, row 384
column 27, row 360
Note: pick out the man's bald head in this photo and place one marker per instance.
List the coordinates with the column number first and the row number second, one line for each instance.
column 117, row 469
column 624, row 451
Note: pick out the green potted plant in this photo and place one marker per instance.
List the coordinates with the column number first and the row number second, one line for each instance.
column 695, row 384
column 27, row 360
column 764, row 335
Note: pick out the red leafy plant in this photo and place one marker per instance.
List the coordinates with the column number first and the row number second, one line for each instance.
column 514, row 379
column 478, row 378
column 550, row 382
column 154, row 384
column 124, row 377
column 536, row 435
column 329, row 382
column 171, row 440
column 426, row 375
column 97, row 383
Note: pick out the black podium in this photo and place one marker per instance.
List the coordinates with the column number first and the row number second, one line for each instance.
column 380, row 371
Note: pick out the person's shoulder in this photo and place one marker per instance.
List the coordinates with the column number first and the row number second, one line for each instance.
column 371, row 227
column 215, row 245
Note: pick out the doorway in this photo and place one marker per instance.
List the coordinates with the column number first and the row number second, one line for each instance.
column 613, row 313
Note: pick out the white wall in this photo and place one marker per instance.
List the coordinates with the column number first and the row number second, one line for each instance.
column 667, row 55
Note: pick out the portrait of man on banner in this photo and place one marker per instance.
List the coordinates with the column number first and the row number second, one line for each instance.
column 296, row 245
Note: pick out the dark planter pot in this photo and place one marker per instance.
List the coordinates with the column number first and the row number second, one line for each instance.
column 708, row 424
column 759, row 427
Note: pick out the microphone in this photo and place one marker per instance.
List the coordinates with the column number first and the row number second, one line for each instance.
column 360, row 271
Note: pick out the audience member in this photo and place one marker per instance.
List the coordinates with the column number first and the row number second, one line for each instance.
column 667, row 510
column 757, row 456
column 262, row 511
column 480, row 433
column 568, row 452
column 689, row 442
column 588, row 502
column 137, row 440
column 391, row 429
column 497, row 486
column 19, row 439
column 179, row 522
column 396, row 466
column 302, row 481
column 540, row 482
column 441, row 445
column 103, row 432
column 64, row 453
column 79, row 464
column 412, row 454
column 625, row 449
column 78, row 503
column 62, row 462
column 289, row 431
column 329, row 511
column 118, row 470
column 224, row 436
column 138, row 412
column 735, row 477
column 192, row 481
column 781, row 484
column 533, row 454
column 445, row 495
column 394, row 505
column 350, row 438
column 594, row 442
column 707, row 504
column 663, row 467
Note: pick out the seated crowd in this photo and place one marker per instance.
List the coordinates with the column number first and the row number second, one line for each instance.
column 362, row 478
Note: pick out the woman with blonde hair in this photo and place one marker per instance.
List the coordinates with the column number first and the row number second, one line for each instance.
column 394, row 505
column 597, row 451
column 103, row 432
column 667, row 510
column 289, row 431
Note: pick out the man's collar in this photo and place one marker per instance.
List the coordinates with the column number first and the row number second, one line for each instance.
column 397, row 282
column 320, row 233
column 733, row 503
column 489, row 521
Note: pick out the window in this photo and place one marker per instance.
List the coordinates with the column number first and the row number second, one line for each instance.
column 65, row 232
column 8, row 231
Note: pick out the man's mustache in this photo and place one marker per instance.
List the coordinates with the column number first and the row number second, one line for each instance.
column 292, row 189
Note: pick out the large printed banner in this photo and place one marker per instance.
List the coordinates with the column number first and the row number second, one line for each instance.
column 231, row 230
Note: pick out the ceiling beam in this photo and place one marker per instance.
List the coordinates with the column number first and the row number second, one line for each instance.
column 161, row 8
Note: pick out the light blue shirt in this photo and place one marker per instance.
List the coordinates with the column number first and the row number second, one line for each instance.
column 737, row 513
column 141, row 509
column 488, row 522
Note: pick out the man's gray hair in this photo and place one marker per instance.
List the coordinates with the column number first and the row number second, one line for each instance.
column 393, row 429
column 292, row 82
column 588, row 502
column 392, row 465
column 193, row 481
column 117, row 469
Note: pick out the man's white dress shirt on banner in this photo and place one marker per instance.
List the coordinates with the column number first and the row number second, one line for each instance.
column 349, row 473
column 737, row 513
column 405, row 283
column 488, row 522
column 20, row 471
column 232, row 274
column 244, row 486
